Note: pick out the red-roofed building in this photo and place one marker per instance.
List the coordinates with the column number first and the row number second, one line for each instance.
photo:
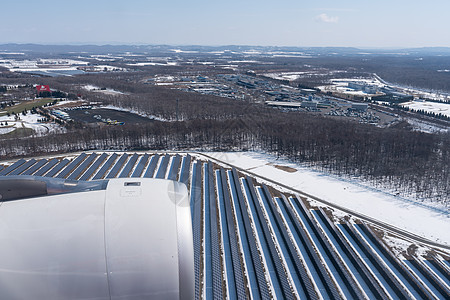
column 43, row 88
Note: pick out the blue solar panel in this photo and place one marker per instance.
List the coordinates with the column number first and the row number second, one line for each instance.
column 161, row 173
column 185, row 169
column 117, row 166
column 229, row 274
column 358, row 269
column 196, row 209
column 82, row 167
column 215, row 247
column 105, row 167
column 280, row 282
column 207, row 257
column 151, row 166
column 23, row 167
column 94, row 167
column 377, row 269
column 57, row 168
column 72, row 165
column 173, row 171
column 257, row 277
column 35, row 167
column 129, row 166
column 47, row 167
column 141, row 165
column 12, row 167
column 237, row 264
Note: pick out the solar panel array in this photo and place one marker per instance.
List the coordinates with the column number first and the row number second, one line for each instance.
column 251, row 241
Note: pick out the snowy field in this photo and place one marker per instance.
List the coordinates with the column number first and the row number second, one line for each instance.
column 45, row 65
column 437, row 108
column 287, row 75
column 29, row 121
column 341, row 85
column 55, row 67
column 424, row 126
column 93, row 88
column 142, row 64
column 429, row 222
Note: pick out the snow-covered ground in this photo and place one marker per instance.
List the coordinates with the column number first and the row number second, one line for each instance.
column 29, row 121
column 424, row 126
column 105, row 68
column 428, row 221
column 433, row 107
column 42, row 65
column 287, row 75
column 152, row 117
column 142, row 64
column 93, row 88
column 369, row 81
column 341, row 85
column 65, row 102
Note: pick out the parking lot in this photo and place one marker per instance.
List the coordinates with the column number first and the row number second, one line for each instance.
column 96, row 115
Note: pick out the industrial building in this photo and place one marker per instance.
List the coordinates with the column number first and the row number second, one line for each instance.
column 309, row 104
column 362, row 86
column 360, row 107
column 60, row 114
column 393, row 97
column 284, row 104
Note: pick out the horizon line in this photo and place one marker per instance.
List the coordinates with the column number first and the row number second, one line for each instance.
column 78, row 44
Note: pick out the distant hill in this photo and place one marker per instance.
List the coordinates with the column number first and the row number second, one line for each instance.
column 94, row 49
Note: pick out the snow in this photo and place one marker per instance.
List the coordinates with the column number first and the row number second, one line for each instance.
column 426, row 221
column 252, row 52
column 289, row 55
column 62, row 62
column 152, row 117
column 64, row 102
column 37, row 65
column 434, row 107
column 93, row 88
column 31, row 69
column 107, row 68
column 350, row 91
column 243, row 61
column 11, row 53
column 182, row 51
column 398, row 246
column 427, row 127
column 5, row 130
column 142, row 64
column 286, row 75
column 30, row 121
column 165, row 78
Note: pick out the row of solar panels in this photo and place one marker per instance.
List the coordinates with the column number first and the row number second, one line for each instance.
column 94, row 166
column 250, row 244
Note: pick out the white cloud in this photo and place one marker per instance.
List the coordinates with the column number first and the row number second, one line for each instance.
column 326, row 18
column 337, row 9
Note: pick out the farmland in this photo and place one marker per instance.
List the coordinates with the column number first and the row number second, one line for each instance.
column 27, row 105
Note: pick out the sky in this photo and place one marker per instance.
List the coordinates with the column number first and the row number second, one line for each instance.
column 303, row 23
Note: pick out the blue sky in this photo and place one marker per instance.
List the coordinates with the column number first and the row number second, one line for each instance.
column 357, row 23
